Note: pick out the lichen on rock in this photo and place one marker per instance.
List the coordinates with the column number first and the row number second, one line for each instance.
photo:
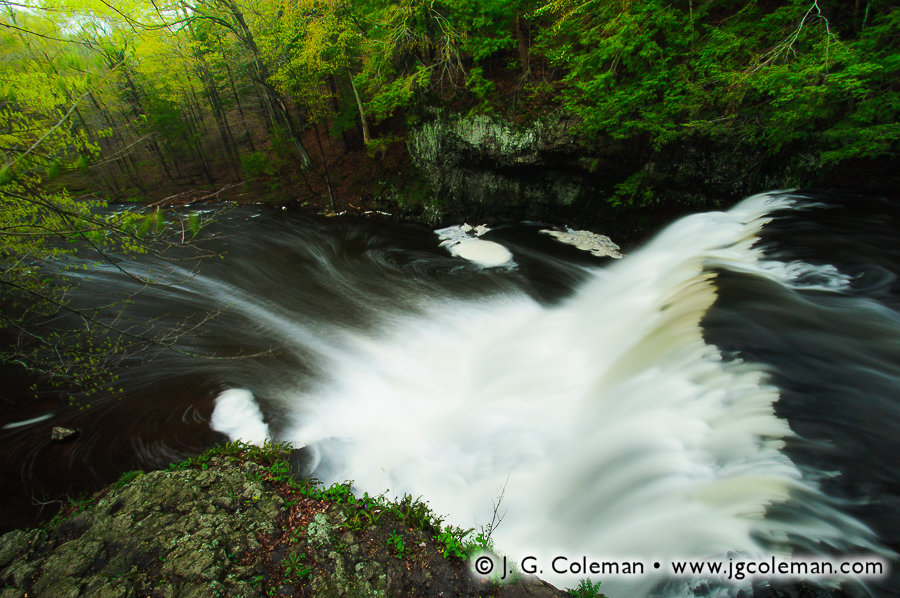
column 486, row 166
column 181, row 532
column 235, row 523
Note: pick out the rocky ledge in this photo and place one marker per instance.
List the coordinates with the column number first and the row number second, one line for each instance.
column 238, row 521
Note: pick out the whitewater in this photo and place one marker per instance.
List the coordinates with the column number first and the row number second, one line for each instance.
column 606, row 425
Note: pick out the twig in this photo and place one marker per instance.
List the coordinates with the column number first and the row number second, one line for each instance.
column 496, row 518
column 58, row 124
column 125, row 333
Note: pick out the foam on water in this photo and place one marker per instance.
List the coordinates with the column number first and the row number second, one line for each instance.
column 484, row 253
column 608, row 424
column 237, row 415
column 27, row 422
column 463, row 241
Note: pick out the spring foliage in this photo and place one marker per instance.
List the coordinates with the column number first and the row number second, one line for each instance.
column 120, row 99
column 171, row 80
column 768, row 75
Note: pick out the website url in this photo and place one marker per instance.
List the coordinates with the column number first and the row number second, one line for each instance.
column 776, row 567
column 486, row 564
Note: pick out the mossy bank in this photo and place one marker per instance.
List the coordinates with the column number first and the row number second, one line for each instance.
column 238, row 521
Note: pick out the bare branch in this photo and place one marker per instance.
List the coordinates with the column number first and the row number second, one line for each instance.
column 58, row 124
column 168, row 342
column 41, row 35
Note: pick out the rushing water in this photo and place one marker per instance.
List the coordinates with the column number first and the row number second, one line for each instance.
column 729, row 390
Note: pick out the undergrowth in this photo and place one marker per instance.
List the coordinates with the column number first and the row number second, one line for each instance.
column 360, row 511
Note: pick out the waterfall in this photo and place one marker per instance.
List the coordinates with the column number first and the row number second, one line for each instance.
column 610, row 426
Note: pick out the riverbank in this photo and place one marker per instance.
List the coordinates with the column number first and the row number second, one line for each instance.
column 240, row 521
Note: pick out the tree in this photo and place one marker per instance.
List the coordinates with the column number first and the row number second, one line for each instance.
column 231, row 16
column 44, row 229
column 758, row 79
column 316, row 42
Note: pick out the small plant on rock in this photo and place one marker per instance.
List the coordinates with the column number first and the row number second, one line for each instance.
column 396, row 541
column 280, row 471
column 452, row 538
column 587, row 589
column 295, row 567
column 126, row 478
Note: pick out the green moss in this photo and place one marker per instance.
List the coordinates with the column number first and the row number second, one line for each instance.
column 586, row 589
column 126, row 478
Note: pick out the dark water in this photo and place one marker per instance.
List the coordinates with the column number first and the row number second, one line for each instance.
column 834, row 354
column 730, row 387
column 337, row 273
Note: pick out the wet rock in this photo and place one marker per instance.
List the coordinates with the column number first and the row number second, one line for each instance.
column 61, row 434
column 301, row 461
column 15, row 543
column 224, row 530
column 485, row 167
column 160, row 529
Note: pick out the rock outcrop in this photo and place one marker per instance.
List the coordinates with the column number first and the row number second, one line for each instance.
column 229, row 526
column 484, row 168
column 175, row 533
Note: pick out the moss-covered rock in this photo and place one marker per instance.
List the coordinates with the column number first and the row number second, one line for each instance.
column 237, row 523
column 179, row 532
column 484, row 167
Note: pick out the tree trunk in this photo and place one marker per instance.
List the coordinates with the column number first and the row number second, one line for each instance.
column 362, row 111
column 336, row 107
column 121, row 159
column 215, row 103
column 237, row 101
column 325, row 169
column 294, row 133
column 273, row 100
column 522, row 43
column 190, row 120
column 138, row 109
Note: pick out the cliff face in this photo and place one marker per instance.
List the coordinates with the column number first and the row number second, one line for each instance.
column 234, row 527
column 483, row 167
column 185, row 533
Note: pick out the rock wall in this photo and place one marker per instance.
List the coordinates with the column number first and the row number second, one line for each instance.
column 484, row 168
column 179, row 533
column 480, row 167
column 227, row 526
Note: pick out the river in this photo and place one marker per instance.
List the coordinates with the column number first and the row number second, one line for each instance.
column 728, row 390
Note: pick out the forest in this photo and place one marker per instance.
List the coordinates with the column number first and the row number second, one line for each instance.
column 173, row 102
